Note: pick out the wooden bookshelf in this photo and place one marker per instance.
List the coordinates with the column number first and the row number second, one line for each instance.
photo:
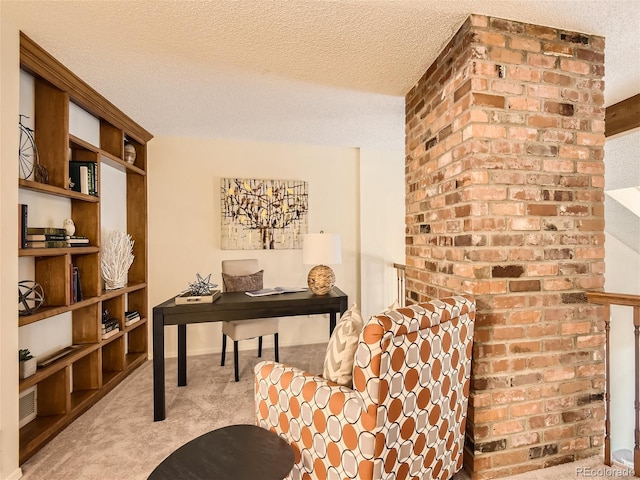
column 70, row 385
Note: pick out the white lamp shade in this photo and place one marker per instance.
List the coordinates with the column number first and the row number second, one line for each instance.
column 321, row 249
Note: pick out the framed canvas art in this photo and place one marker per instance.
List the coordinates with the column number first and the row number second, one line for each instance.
column 263, row 214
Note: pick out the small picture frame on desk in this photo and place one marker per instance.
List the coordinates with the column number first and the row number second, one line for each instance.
column 186, row 298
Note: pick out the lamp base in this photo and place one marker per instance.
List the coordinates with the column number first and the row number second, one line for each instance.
column 321, row 279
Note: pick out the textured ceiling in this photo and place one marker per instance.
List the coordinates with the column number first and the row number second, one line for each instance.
column 306, row 71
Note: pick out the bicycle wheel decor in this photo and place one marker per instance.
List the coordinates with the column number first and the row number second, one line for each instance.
column 27, row 152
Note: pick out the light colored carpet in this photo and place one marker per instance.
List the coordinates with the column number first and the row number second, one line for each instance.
column 117, row 438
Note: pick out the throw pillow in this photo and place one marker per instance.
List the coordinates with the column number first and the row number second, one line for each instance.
column 242, row 283
column 338, row 362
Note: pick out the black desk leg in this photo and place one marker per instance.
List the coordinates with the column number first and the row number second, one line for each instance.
column 158, row 366
column 182, row 355
column 332, row 322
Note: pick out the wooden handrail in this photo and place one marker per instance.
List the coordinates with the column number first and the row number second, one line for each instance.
column 605, row 298
column 623, row 299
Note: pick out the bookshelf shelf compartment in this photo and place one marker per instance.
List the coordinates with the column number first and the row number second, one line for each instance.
column 48, row 312
column 58, row 191
column 52, row 252
column 72, row 384
column 47, row 372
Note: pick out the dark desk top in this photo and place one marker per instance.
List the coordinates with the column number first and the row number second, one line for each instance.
column 239, row 306
column 236, row 452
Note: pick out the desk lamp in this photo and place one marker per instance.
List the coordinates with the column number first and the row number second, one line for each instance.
column 320, row 249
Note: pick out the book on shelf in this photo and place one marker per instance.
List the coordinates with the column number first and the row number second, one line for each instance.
column 110, row 321
column 111, row 333
column 84, row 176
column 131, row 317
column 75, row 241
column 75, row 284
column 48, row 244
column 72, row 284
column 42, row 237
column 107, row 327
column 275, row 291
column 46, row 231
column 23, row 209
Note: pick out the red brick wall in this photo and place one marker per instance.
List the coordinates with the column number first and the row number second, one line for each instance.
column 504, row 199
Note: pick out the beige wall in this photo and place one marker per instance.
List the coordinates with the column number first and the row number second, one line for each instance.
column 9, row 80
column 184, row 222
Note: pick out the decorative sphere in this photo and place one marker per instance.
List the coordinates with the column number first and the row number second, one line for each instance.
column 321, row 279
column 69, row 226
column 30, row 297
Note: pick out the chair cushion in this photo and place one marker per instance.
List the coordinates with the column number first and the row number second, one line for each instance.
column 242, row 283
column 243, row 329
column 338, row 362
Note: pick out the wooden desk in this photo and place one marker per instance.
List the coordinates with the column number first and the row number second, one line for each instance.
column 229, row 306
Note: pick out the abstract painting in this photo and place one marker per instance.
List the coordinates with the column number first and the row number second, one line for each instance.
column 263, row 214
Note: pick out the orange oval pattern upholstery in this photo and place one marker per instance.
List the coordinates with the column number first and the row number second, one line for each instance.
column 405, row 417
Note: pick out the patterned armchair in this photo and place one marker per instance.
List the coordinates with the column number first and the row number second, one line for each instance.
column 406, row 414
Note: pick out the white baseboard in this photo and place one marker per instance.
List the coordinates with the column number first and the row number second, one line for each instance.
column 15, row 475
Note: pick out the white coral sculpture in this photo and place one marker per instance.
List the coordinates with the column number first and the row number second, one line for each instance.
column 117, row 257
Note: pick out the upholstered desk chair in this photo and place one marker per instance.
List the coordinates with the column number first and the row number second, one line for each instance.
column 404, row 417
column 241, row 276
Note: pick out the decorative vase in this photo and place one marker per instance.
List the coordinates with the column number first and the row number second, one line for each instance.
column 129, row 153
column 28, row 367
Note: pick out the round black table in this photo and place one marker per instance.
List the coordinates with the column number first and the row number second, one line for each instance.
column 236, row 452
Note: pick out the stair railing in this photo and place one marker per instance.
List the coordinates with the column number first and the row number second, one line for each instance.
column 606, row 300
column 401, row 278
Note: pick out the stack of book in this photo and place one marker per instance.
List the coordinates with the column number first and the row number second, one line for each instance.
column 84, row 177
column 110, row 327
column 46, row 237
column 131, row 317
column 77, row 241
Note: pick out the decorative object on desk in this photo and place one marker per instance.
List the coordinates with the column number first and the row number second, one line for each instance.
column 200, row 291
column 202, row 285
column 129, row 153
column 28, row 363
column 186, row 298
column 30, row 297
column 321, row 249
column 117, row 257
column 69, row 226
column 263, row 214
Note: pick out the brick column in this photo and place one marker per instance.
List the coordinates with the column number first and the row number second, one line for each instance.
column 504, row 199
